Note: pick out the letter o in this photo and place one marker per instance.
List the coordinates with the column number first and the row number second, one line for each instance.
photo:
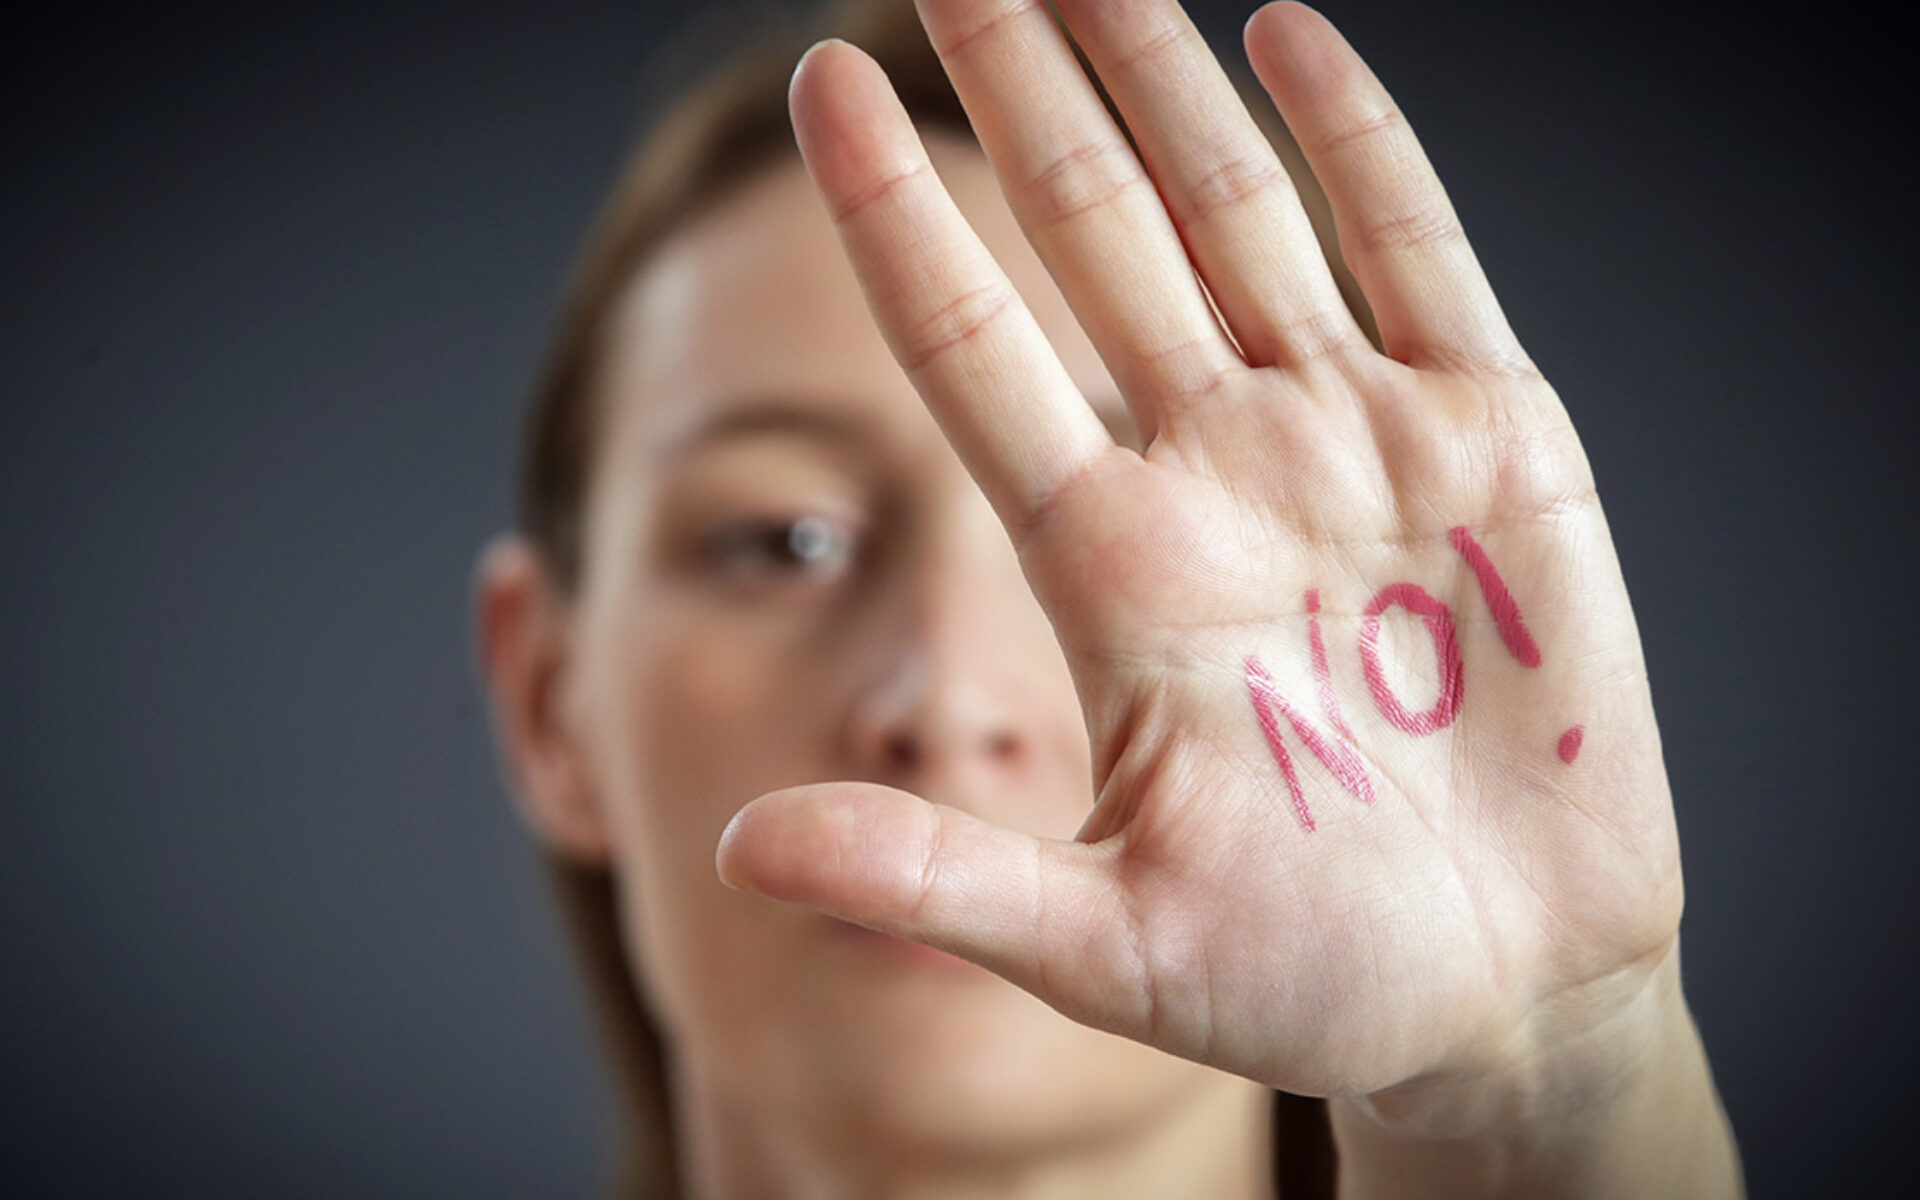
column 1446, row 647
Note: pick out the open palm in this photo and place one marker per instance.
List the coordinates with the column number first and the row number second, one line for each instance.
column 1380, row 791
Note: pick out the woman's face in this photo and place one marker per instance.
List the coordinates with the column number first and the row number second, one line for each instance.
column 790, row 578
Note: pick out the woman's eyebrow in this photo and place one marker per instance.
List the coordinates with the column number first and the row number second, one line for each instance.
column 770, row 417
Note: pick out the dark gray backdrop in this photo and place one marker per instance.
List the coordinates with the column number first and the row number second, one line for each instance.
column 275, row 280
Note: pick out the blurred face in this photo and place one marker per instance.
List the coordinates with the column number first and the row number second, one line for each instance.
column 790, row 578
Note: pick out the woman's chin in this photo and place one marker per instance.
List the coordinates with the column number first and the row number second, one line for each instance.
column 887, row 1038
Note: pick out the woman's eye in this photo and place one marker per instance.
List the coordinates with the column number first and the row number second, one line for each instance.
column 762, row 551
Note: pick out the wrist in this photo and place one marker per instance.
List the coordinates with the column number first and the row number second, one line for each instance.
column 1588, row 1048
column 1609, row 1082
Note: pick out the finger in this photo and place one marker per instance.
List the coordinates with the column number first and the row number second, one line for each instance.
column 1084, row 200
column 1397, row 228
column 1040, row 913
column 950, row 315
column 1229, row 195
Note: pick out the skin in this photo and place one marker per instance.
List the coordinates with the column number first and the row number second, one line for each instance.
column 1480, row 967
column 705, row 660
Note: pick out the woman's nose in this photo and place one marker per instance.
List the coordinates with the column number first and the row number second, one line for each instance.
column 932, row 714
column 955, row 673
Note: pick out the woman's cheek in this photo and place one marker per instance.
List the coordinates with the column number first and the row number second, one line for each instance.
column 716, row 719
column 713, row 723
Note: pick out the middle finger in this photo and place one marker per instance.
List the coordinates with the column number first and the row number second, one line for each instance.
column 1084, row 201
column 1229, row 195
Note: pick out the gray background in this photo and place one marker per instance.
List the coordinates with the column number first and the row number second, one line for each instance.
column 274, row 283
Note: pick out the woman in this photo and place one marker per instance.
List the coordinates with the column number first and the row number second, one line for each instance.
column 1209, row 677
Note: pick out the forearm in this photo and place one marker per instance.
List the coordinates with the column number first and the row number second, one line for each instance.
column 1650, row 1125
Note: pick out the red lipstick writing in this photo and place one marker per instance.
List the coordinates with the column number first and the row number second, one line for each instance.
column 1336, row 754
column 1506, row 613
column 1570, row 743
column 1335, row 748
column 1446, row 646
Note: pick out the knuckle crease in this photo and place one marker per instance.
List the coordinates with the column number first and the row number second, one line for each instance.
column 1008, row 12
column 1165, row 38
column 1087, row 177
column 1380, row 122
column 877, row 191
column 954, row 323
column 1423, row 227
column 1231, row 183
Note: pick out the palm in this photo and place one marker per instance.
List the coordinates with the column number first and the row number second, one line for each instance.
column 1485, row 871
column 1335, row 848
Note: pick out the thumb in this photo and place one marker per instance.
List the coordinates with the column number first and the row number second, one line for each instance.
column 1046, row 915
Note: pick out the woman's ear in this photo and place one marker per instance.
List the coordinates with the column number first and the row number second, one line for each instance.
column 524, row 644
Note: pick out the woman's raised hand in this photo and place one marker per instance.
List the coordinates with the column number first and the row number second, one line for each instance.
column 1381, row 805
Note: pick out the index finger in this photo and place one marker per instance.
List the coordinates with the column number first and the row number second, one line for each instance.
column 948, row 312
